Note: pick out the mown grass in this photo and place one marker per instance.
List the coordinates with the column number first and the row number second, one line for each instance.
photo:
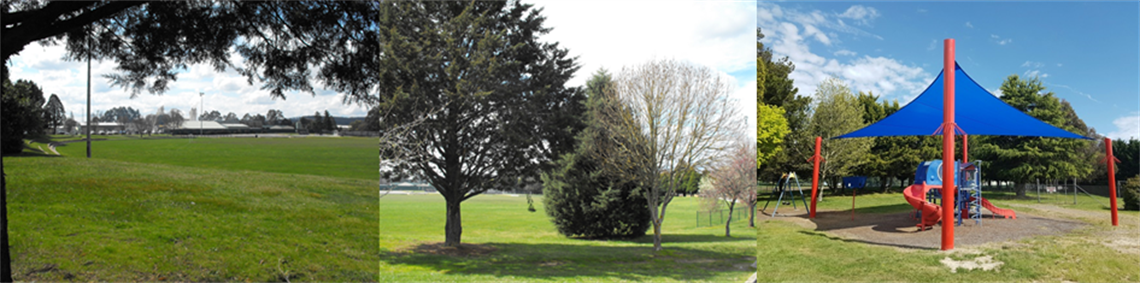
column 791, row 253
column 347, row 157
column 79, row 219
column 528, row 248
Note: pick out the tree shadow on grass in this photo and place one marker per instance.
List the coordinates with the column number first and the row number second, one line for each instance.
column 834, row 238
column 585, row 261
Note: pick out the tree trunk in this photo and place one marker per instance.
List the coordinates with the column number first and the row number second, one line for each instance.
column 5, row 256
column 1021, row 187
column 728, row 222
column 454, row 228
column 752, row 215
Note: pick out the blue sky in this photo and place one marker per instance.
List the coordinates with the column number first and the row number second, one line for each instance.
column 1087, row 53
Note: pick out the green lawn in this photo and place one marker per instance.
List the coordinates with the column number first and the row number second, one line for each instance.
column 528, row 248
column 78, row 219
column 346, row 157
column 791, row 253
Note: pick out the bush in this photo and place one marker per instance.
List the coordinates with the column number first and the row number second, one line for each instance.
column 1131, row 193
column 583, row 202
column 22, row 116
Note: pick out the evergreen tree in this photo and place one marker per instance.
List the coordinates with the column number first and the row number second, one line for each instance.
column 581, row 199
column 1024, row 160
column 330, row 123
column 22, row 116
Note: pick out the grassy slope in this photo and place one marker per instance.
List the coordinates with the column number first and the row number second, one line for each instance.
column 530, row 249
column 788, row 252
column 106, row 220
column 347, row 157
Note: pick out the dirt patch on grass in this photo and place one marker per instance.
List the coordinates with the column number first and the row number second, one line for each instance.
column 464, row 250
column 986, row 263
column 900, row 230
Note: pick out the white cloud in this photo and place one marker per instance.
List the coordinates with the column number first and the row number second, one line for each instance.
column 226, row 91
column 999, row 40
column 720, row 35
column 1031, row 64
column 969, row 25
column 861, row 14
column 1036, row 73
column 845, row 52
column 883, row 76
column 1127, row 127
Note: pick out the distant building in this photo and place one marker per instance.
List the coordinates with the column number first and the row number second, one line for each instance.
column 100, row 127
column 216, row 128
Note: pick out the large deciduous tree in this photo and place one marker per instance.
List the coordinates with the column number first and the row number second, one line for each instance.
column 838, row 113
column 771, row 127
column 678, row 118
column 581, row 198
column 484, row 89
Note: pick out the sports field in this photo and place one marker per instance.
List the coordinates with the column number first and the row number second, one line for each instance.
column 507, row 243
column 201, row 210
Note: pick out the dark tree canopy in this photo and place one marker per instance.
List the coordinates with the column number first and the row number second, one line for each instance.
column 54, row 114
column 485, row 96
column 285, row 45
column 22, row 116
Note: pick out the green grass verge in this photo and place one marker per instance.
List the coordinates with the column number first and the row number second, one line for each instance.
column 78, row 219
column 791, row 253
column 529, row 248
column 347, row 157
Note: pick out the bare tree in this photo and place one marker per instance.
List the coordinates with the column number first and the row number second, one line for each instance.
column 734, row 180
column 676, row 117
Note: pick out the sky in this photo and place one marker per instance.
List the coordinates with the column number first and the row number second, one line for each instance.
column 1087, row 53
column 225, row 92
column 614, row 34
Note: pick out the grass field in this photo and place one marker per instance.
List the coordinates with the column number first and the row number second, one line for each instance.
column 346, row 157
column 524, row 246
column 1096, row 253
column 120, row 217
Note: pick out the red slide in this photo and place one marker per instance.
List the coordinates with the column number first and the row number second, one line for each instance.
column 1007, row 213
column 916, row 196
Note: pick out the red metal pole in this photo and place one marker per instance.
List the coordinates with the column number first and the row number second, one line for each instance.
column 1111, row 180
column 815, row 176
column 948, row 189
column 965, row 149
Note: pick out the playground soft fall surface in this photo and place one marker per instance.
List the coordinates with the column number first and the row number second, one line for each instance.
column 879, row 240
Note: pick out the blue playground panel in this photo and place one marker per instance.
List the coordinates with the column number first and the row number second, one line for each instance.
column 854, row 182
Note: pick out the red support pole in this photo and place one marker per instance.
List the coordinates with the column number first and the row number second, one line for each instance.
column 815, row 176
column 1111, row 180
column 948, row 189
column 965, row 149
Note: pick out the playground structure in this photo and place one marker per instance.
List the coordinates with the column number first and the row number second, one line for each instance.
column 781, row 189
column 927, row 190
column 920, row 118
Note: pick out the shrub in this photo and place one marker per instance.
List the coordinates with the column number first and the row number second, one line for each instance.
column 583, row 202
column 1131, row 193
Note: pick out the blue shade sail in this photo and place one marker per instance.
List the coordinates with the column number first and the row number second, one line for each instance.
column 976, row 111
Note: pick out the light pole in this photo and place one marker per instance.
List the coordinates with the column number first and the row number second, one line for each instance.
column 201, row 101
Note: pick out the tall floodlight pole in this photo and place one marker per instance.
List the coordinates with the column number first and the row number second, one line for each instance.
column 89, row 97
column 948, row 165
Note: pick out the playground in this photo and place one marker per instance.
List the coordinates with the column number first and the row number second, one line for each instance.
column 891, row 236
